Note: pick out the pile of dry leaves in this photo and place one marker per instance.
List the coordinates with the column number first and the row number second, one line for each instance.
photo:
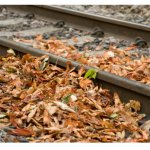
column 45, row 103
column 116, row 61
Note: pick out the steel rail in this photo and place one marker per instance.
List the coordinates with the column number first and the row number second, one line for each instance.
column 82, row 20
column 99, row 17
column 127, row 89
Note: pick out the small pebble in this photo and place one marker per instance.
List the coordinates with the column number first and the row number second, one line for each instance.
column 59, row 24
column 30, row 16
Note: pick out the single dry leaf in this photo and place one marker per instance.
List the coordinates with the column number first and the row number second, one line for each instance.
column 21, row 132
column 146, row 126
column 64, row 106
column 121, row 134
column 31, row 114
column 46, row 118
column 85, row 82
column 134, row 105
column 109, row 54
column 55, row 68
column 117, row 99
column 81, row 71
column 51, row 109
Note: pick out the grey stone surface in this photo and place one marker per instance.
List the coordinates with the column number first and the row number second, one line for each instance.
column 134, row 13
column 8, row 22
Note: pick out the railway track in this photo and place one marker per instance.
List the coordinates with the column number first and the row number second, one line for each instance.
column 86, row 21
column 79, row 20
column 127, row 89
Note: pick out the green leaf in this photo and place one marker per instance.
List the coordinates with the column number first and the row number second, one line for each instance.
column 114, row 115
column 91, row 73
column 66, row 99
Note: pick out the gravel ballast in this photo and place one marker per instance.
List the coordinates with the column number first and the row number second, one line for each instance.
column 134, row 13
